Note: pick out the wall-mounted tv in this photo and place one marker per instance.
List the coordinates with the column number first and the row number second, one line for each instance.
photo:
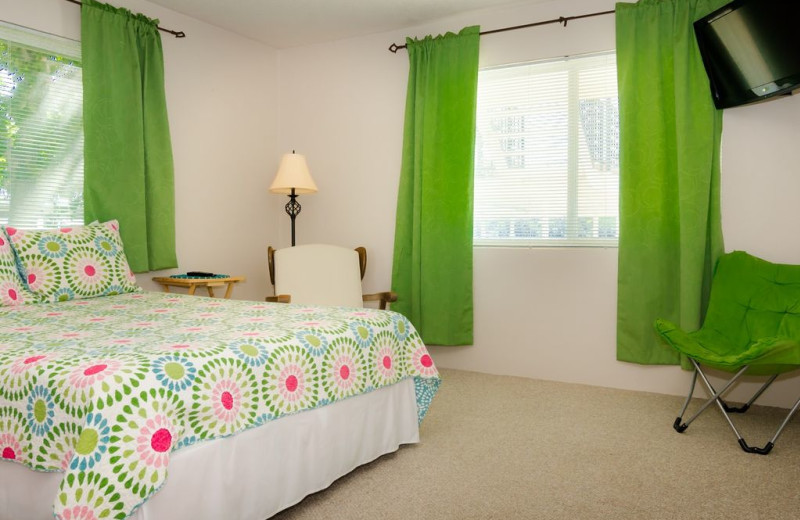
column 751, row 50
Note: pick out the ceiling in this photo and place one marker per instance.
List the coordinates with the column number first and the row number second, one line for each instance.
column 292, row 23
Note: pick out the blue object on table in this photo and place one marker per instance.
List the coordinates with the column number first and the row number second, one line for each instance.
column 188, row 277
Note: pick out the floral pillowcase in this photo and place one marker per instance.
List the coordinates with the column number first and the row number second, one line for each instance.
column 71, row 263
column 12, row 288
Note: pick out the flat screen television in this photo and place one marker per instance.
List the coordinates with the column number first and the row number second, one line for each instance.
column 751, row 50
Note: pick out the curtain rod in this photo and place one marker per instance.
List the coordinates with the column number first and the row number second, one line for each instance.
column 178, row 34
column 561, row 19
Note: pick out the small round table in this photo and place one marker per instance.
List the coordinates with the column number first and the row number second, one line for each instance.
column 193, row 283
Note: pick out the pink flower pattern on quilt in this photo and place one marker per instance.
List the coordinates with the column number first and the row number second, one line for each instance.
column 112, row 386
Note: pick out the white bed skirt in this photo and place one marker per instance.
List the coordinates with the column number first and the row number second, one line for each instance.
column 255, row 474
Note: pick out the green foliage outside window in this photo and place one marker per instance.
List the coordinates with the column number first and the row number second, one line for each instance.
column 41, row 127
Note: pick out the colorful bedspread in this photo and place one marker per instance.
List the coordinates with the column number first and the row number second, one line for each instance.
column 105, row 389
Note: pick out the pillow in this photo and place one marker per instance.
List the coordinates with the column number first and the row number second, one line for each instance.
column 73, row 262
column 12, row 289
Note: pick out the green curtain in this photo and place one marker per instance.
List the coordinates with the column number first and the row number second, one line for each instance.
column 128, row 172
column 670, row 230
column 432, row 269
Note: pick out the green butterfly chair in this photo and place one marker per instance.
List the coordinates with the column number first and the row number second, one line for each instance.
column 752, row 327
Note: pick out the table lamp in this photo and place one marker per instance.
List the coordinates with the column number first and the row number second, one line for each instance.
column 292, row 179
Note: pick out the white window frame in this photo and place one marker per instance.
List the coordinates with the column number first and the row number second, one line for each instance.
column 573, row 122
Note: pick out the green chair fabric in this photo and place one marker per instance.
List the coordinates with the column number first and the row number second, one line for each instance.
column 753, row 318
column 752, row 327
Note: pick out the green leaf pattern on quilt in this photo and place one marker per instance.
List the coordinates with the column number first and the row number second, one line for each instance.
column 104, row 389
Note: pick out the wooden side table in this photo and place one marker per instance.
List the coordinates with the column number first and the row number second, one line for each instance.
column 193, row 283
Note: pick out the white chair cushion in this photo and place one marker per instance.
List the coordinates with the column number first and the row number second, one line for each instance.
column 319, row 274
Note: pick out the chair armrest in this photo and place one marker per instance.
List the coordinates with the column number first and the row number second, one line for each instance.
column 383, row 297
column 280, row 298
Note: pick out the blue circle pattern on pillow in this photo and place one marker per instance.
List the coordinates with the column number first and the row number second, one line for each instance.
column 78, row 262
column 63, row 294
column 106, row 246
column 52, row 247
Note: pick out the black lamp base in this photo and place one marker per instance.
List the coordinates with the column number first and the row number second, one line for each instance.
column 293, row 209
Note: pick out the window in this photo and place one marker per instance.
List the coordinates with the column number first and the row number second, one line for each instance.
column 547, row 154
column 41, row 129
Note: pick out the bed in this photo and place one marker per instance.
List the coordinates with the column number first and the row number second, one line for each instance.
column 153, row 405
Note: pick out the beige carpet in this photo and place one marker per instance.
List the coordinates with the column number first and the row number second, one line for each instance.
column 507, row 447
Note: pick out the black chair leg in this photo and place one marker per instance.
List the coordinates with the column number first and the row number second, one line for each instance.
column 735, row 409
column 759, row 451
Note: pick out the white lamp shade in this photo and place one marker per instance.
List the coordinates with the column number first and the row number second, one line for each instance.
column 293, row 173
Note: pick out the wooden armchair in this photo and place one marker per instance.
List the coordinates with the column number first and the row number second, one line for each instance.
column 320, row 274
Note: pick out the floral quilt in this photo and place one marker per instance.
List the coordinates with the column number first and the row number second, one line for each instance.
column 105, row 389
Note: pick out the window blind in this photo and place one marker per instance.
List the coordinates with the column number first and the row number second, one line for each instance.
column 41, row 122
column 547, row 154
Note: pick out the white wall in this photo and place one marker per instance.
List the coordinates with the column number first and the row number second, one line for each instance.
column 544, row 313
column 761, row 179
column 221, row 95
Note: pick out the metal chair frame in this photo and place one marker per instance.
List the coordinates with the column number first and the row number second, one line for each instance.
column 716, row 397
